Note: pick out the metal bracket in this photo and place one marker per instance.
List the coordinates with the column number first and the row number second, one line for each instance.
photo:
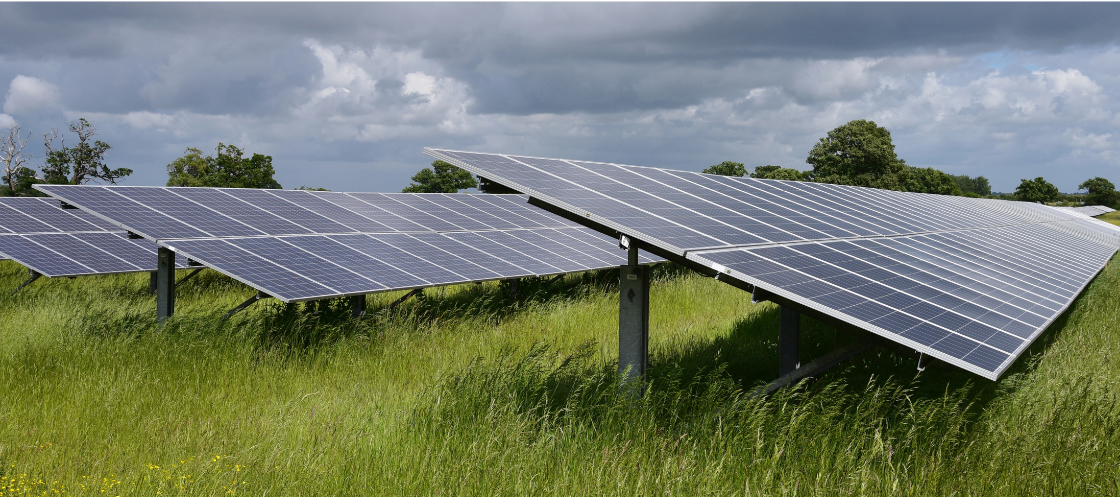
column 924, row 361
column 624, row 242
column 252, row 300
column 34, row 275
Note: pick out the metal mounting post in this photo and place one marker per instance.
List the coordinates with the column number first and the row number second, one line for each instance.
column 165, row 284
column 153, row 278
column 789, row 341
column 633, row 316
column 32, row 275
column 358, row 306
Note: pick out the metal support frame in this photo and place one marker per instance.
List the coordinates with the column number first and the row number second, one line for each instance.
column 816, row 366
column 165, row 284
column 252, row 300
column 789, row 341
column 633, row 317
column 405, row 297
column 32, row 275
column 189, row 276
column 153, row 279
column 358, row 306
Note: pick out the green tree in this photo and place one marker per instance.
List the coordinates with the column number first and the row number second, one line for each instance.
column 228, row 168
column 978, row 185
column 858, row 153
column 777, row 172
column 1036, row 190
column 1100, row 191
column 929, row 180
column 442, row 177
column 727, row 168
column 81, row 163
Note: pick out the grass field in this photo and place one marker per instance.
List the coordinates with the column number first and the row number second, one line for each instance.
column 467, row 392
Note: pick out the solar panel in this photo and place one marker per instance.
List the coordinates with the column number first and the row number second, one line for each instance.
column 969, row 281
column 54, row 242
column 1090, row 210
column 313, row 245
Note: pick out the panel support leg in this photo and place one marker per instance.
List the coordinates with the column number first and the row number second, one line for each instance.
column 789, row 341
column 633, row 320
column 32, row 276
column 165, row 284
column 358, row 306
column 153, row 279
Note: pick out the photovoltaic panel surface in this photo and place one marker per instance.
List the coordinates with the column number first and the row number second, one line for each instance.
column 970, row 281
column 52, row 241
column 314, row 245
column 1090, row 210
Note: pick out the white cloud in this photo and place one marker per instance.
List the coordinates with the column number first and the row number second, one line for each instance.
column 28, row 94
column 7, row 121
column 146, row 120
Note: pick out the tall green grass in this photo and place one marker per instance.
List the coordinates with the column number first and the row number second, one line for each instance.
column 467, row 391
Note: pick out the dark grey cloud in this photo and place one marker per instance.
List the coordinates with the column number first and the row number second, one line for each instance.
column 345, row 95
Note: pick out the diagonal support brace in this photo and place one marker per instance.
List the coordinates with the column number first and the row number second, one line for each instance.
column 252, row 300
column 815, row 367
column 34, row 275
column 189, row 276
column 405, row 297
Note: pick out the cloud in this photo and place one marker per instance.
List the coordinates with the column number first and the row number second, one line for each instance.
column 7, row 121
column 28, row 94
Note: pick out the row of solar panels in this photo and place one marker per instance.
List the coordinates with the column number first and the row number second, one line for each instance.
column 969, row 281
column 57, row 242
column 1090, row 210
column 302, row 245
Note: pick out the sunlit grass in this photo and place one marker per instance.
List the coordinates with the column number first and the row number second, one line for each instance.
column 467, row 391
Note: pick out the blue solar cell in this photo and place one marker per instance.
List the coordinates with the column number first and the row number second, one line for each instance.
column 495, row 262
column 230, row 206
column 190, row 213
column 307, row 264
column 251, row 269
column 136, row 217
column 320, row 205
column 463, row 267
column 266, row 201
column 373, row 269
column 14, row 221
column 86, row 254
column 40, row 258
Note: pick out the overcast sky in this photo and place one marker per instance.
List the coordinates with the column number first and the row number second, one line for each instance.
column 345, row 96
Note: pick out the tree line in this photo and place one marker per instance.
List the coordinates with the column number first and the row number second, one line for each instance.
column 79, row 164
column 861, row 153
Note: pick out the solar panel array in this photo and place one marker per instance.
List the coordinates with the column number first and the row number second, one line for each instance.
column 300, row 245
column 969, row 281
column 1090, row 210
column 39, row 234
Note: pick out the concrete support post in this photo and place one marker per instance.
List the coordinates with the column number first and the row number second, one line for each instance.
column 358, row 306
column 633, row 318
column 165, row 284
column 789, row 341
